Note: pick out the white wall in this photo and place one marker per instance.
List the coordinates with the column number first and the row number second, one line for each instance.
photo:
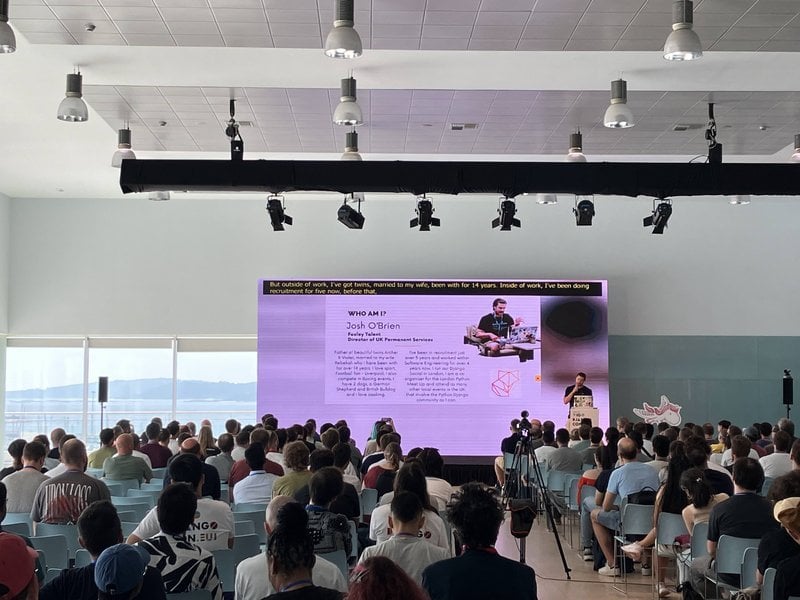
column 5, row 250
column 190, row 266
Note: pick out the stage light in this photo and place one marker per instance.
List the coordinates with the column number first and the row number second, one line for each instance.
column 661, row 214
column 424, row 219
column 348, row 112
column 507, row 211
column 618, row 114
column 277, row 215
column 575, row 153
column 8, row 41
column 343, row 40
column 683, row 43
column 349, row 216
column 124, row 151
column 72, row 107
column 583, row 211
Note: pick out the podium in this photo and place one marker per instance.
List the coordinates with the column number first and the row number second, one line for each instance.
column 583, row 408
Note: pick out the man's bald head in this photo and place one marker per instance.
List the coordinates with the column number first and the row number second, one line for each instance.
column 627, row 449
column 124, row 444
column 73, row 454
column 273, row 508
column 190, row 446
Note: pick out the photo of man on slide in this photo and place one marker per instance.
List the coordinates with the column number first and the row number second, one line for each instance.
column 495, row 327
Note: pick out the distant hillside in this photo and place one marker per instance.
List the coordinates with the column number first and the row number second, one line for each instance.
column 145, row 389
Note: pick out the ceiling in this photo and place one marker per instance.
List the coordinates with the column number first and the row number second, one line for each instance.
column 526, row 73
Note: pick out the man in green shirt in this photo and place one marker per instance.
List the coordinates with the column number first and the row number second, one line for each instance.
column 124, row 465
column 106, row 449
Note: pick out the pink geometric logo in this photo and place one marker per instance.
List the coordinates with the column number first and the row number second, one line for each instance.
column 505, row 383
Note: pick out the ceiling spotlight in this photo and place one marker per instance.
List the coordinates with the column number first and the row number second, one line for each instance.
column 73, row 108
column 343, row 40
column 506, row 210
column 160, row 196
column 575, row 153
column 796, row 154
column 123, row 148
column 348, row 112
column 739, row 199
column 583, row 211
column 277, row 215
column 661, row 214
column 618, row 114
column 349, row 216
column 8, row 41
column 546, row 199
column 683, row 43
column 351, row 146
column 424, row 219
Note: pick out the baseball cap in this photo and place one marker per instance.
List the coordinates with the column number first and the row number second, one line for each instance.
column 17, row 563
column 119, row 569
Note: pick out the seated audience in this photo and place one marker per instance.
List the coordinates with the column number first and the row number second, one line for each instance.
column 18, row 579
column 380, row 475
column 137, row 451
column 778, row 544
column 595, row 439
column 564, row 458
column 158, row 453
column 406, row 548
column 240, row 468
column 252, row 582
column 342, row 460
column 39, row 569
column 124, row 465
column 23, row 484
column 15, row 450
column 64, row 497
column 661, row 456
column 411, row 478
column 380, row 577
column 211, row 484
column 56, row 438
column 290, row 558
column 329, row 530
column 106, row 449
column 296, row 456
column 347, row 502
column 439, row 489
column 386, row 436
column 507, row 446
column 99, row 529
column 548, row 446
column 698, row 452
column 355, row 453
column 60, row 468
column 184, row 566
column 779, row 462
column 207, row 442
column 700, row 496
column 242, row 440
column 222, row 461
column 212, row 527
column 257, row 486
column 480, row 572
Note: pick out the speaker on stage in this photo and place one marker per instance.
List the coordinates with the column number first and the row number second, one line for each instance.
column 102, row 390
column 788, row 384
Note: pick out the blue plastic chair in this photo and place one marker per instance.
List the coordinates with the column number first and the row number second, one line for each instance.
column 637, row 519
column 243, row 528
column 339, row 558
column 18, row 528
column 51, row 574
column 250, row 507
column 730, row 553
column 150, row 495
column 115, row 489
column 257, row 517
column 69, row 532
column 140, row 506
column 699, row 545
column 369, row 500
column 226, row 568
column 158, row 476
column 127, row 515
column 96, row 473
column 768, row 584
column 245, row 546
column 54, row 548
column 155, row 484
column 126, row 484
column 18, row 517
column 82, row 558
column 128, row 527
column 749, row 566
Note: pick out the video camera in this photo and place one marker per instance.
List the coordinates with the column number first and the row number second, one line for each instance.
column 524, row 425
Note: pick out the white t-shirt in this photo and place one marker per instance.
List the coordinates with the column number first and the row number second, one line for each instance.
column 412, row 554
column 776, row 464
column 440, row 490
column 278, row 458
column 727, row 457
column 719, row 468
column 237, row 453
column 433, row 530
column 542, row 452
column 144, row 457
column 174, row 446
column 252, row 582
column 61, row 468
column 353, row 480
column 212, row 527
column 256, row 487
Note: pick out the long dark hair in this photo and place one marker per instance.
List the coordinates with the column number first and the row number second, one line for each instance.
column 290, row 542
column 696, row 486
column 411, row 478
column 672, row 498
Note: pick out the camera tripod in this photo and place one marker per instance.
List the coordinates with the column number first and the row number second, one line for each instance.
column 521, row 494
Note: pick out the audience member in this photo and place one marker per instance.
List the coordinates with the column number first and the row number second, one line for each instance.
column 548, row 445
column 137, row 451
column 595, row 439
column 60, row 468
column 698, row 452
column 507, row 446
column 184, row 566
column 779, row 462
column 64, row 497
column 158, row 453
column 439, row 489
column 290, row 558
column 15, row 450
column 660, row 456
column 329, row 530
column 605, row 458
column 222, row 461
column 564, row 458
column 347, row 502
column 212, row 527
column 252, row 582
column 23, row 484
column 56, row 436
column 787, row 576
column 341, row 460
column 174, row 429
column 380, row 577
column 18, row 579
column 211, row 484
column 380, row 475
column 3, row 503
column 355, row 453
column 124, row 465
column 267, row 440
column 480, row 572
column 296, row 455
column 99, row 529
column 257, row 486
column 106, row 449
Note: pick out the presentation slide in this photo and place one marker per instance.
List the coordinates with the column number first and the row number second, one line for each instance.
column 451, row 362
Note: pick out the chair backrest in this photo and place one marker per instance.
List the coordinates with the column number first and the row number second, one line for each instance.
column 768, row 584
column 128, row 527
column 353, row 538
column 18, row 528
column 587, row 491
column 749, row 566
column 250, row 507
column 115, row 489
column 140, row 506
column 766, row 485
column 126, row 484
column 730, row 552
column 54, row 548
column 193, row 595
column 126, row 515
column 82, row 558
column 96, row 473
column 637, row 519
column 699, row 540
column 243, row 528
column 508, row 458
column 51, row 574
column 17, row 517
column 571, row 491
column 245, row 546
column 69, row 532
column 258, row 518
column 369, row 500
column 150, row 495
column 158, row 474
column 155, row 484
column 339, row 558
column 668, row 527
column 226, row 568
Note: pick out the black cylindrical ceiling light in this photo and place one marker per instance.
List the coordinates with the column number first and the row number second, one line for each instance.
column 351, row 146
